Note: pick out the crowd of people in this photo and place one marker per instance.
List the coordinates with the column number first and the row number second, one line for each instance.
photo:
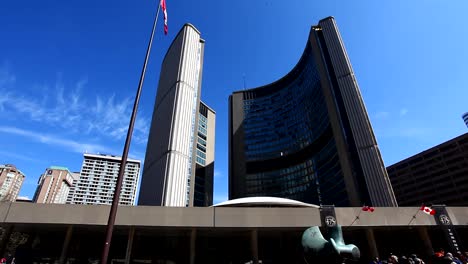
column 440, row 257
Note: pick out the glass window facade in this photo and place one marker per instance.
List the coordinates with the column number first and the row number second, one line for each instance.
column 288, row 142
column 307, row 136
column 203, row 190
column 201, row 140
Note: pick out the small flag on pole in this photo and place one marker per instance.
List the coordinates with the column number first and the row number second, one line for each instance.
column 163, row 6
column 427, row 210
column 366, row 208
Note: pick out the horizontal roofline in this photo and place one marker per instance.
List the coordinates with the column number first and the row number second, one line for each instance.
column 13, row 167
column 327, row 18
column 426, row 151
column 284, row 76
column 211, row 109
column 192, row 26
column 59, row 168
column 107, row 156
column 178, row 33
column 265, row 201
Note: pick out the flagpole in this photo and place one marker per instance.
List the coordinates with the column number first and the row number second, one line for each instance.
column 357, row 217
column 123, row 162
column 414, row 216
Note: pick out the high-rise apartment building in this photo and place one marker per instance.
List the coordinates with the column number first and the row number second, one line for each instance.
column 54, row 185
column 307, row 136
column 171, row 154
column 98, row 177
column 11, row 180
column 76, row 176
column 465, row 118
column 438, row 175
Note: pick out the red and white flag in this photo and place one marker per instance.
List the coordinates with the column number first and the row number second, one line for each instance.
column 366, row 208
column 163, row 6
column 427, row 210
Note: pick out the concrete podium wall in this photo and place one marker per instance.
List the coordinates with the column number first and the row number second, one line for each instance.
column 229, row 217
column 384, row 216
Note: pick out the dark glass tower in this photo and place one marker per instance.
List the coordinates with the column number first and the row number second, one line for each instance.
column 307, row 136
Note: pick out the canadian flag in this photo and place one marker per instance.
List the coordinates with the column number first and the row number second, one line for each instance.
column 163, row 6
column 427, row 210
column 366, row 208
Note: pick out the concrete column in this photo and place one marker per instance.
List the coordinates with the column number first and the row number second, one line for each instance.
column 424, row 235
column 254, row 245
column 193, row 245
column 66, row 244
column 8, row 229
column 128, row 253
column 373, row 251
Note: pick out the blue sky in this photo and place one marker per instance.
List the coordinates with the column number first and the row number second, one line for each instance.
column 69, row 70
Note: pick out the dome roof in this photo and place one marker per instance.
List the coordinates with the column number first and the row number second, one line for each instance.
column 264, row 201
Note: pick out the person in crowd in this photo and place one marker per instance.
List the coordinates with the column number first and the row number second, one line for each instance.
column 393, row 259
column 416, row 260
column 462, row 257
column 457, row 260
column 376, row 260
column 404, row 260
column 438, row 256
column 448, row 259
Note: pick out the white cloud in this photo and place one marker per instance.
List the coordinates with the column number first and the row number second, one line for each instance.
column 66, row 144
column 137, row 155
column 403, row 111
column 18, row 156
column 66, row 108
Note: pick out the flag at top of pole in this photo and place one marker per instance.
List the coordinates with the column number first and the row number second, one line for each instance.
column 123, row 161
column 427, row 210
column 163, row 6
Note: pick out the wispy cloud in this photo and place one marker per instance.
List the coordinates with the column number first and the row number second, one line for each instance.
column 66, row 108
column 18, row 156
column 403, row 111
column 66, row 144
column 137, row 155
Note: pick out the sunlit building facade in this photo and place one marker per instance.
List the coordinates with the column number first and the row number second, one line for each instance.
column 11, row 180
column 307, row 136
column 98, row 177
column 180, row 127
column 204, row 171
column 54, row 185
